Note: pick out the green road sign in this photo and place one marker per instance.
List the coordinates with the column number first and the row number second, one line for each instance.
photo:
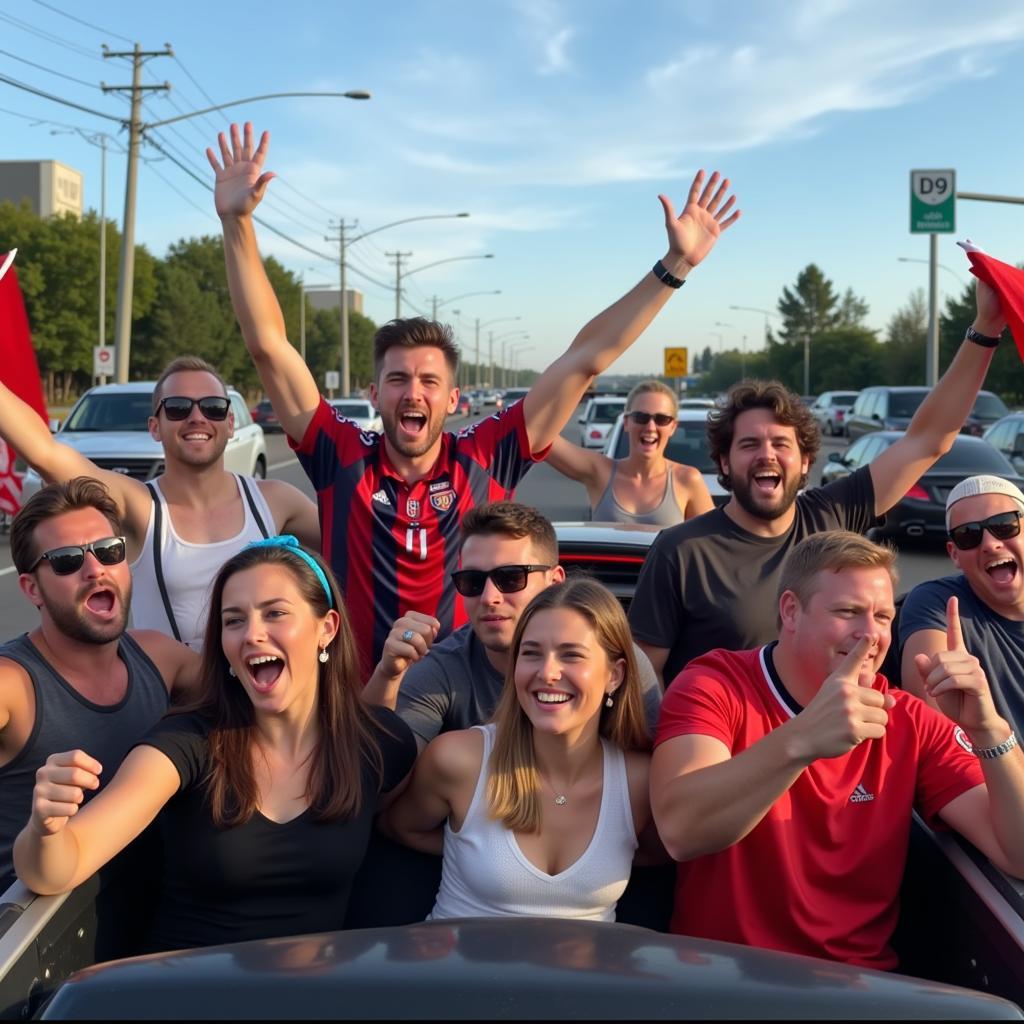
column 932, row 202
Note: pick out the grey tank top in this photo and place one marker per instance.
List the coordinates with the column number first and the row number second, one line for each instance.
column 666, row 513
column 66, row 720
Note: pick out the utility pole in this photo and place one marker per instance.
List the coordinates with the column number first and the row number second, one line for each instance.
column 398, row 257
column 103, row 245
column 125, row 282
column 346, row 370
column 302, row 316
column 477, row 354
column 490, row 358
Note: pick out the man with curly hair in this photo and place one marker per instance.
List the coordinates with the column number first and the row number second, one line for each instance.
column 710, row 582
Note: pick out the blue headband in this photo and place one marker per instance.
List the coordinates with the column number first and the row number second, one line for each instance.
column 291, row 543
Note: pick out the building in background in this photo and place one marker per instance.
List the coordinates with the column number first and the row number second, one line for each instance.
column 330, row 298
column 51, row 187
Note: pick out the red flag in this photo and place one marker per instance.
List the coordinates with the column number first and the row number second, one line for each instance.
column 1008, row 283
column 19, row 371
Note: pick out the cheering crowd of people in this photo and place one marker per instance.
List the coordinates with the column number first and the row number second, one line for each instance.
column 308, row 690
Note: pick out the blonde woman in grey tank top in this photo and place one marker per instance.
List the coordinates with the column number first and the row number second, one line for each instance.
column 542, row 812
column 644, row 487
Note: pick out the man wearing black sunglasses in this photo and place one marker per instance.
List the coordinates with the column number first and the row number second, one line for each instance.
column 183, row 525
column 983, row 516
column 80, row 679
column 391, row 507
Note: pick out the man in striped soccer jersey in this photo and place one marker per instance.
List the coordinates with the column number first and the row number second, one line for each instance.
column 390, row 507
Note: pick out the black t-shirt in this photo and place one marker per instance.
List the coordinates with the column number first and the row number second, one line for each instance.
column 708, row 583
column 261, row 879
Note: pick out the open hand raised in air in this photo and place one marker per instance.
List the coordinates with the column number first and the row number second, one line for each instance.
column 693, row 234
column 241, row 180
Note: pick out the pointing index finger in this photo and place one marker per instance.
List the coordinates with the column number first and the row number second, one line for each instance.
column 954, row 631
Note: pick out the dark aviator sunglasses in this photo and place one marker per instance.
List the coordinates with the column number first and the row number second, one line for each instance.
column 1002, row 526
column 641, row 419
column 178, row 407
column 64, row 561
column 506, row 578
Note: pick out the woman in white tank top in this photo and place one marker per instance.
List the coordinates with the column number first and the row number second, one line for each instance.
column 538, row 812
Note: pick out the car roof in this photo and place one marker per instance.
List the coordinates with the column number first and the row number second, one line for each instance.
column 135, row 387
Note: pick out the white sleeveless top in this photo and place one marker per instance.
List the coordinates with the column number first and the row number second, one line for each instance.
column 188, row 569
column 486, row 874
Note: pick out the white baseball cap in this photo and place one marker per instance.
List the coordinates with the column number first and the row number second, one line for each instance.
column 974, row 486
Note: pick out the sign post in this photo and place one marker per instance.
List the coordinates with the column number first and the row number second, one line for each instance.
column 933, row 212
column 102, row 361
column 677, row 365
column 332, row 379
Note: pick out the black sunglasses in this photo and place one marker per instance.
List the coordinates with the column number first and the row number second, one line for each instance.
column 65, row 561
column 1002, row 526
column 507, row 578
column 178, row 407
column 641, row 419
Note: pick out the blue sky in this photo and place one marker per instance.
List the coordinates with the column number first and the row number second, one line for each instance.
column 556, row 125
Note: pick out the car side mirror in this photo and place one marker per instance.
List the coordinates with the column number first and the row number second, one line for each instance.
column 54, row 426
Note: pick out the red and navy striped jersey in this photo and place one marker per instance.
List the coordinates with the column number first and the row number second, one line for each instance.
column 394, row 545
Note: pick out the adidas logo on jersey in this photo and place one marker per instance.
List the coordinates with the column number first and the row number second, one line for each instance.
column 381, row 498
column 860, row 795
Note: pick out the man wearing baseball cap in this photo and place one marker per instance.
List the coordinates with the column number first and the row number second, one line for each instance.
column 983, row 517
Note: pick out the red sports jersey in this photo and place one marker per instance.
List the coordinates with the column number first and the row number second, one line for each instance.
column 392, row 545
column 820, row 874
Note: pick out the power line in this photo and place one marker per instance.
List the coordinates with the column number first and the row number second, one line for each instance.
column 43, row 67
column 58, row 99
column 81, row 21
column 150, row 164
column 192, row 79
column 43, row 120
column 50, row 37
column 320, row 206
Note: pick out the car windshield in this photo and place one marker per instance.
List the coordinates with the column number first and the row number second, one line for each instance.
column 972, row 459
column 689, row 445
column 358, row 410
column 606, row 412
column 844, row 401
column 905, row 403
column 989, row 406
column 102, row 412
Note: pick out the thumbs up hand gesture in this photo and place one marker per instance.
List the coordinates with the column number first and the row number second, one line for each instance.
column 955, row 680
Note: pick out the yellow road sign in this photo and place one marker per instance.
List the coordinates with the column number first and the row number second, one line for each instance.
column 676, row 362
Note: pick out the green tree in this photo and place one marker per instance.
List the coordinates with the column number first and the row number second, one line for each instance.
column 809, row 307
column 905, row 338
column 853, row 310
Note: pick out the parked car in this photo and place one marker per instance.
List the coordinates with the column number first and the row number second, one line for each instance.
column 883, row 408
column 598, row 418
column 922, row 510
column 464, row 406
column 360, row 411
column 109, row 425
column 830, row 409
column 987, row 410
column 696, row 403
column 514, row 395
column 263, row 415
column 1007, row 436
column 689, row 445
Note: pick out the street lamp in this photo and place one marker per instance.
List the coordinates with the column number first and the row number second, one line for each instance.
column 426, row 266
column 435, row 305
column 504, row 338
column 136, row 129
column 767, row 313
column 343, row 244
column 911, row 259
column 514, row 355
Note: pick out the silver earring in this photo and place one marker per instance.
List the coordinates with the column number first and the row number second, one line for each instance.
column 323, row 655
column 231, row 672
column 608, row 702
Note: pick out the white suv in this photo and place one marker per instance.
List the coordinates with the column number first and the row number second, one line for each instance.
column 108, row 425
column 599, row 416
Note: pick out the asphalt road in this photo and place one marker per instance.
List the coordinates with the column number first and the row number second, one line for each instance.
column 558, row 498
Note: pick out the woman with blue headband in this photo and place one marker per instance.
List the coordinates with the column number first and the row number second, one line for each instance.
column 268, row 785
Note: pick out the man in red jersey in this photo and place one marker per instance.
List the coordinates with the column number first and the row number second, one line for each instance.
column 390, row 507
column 784, row 777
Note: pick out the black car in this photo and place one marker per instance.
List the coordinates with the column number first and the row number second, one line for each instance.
column 922, row 510
column 263, row 415
column 883, row 408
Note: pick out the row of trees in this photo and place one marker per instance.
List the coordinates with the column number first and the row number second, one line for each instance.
column 846, row 354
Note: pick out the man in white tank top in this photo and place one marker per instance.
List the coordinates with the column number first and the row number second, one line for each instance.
column 206, row 513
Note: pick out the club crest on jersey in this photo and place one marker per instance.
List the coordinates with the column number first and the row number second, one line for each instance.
column 412, row 508
column 961, row 737
column 443, row 500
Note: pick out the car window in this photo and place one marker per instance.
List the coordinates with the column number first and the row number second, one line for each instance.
column 242, row 417
column 865, row 405
column 1018, row 444
column 989, row 406
column 689, row 445
column 360, row 409
column 844, row 399
column 605, row 412
column 111, row 411
column 999, row 435
column 905, row 403
column 860, row 450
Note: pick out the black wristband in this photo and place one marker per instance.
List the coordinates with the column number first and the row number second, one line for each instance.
column 665, row 277
column 984, row 340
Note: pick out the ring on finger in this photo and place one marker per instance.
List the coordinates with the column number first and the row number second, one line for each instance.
column 408, row 635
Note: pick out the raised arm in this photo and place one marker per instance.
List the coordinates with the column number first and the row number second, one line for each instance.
column 240, row 184
column 941, row 415
column 691, row 236
column 64, row 843
column 293, row 512
column 589, row 468
column 30, row 437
